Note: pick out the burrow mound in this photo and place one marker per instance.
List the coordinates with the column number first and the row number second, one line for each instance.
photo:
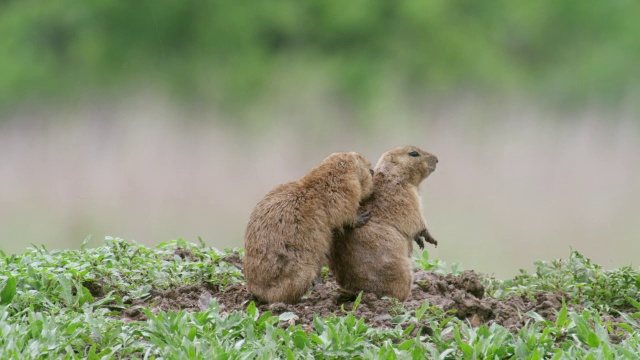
column 463, row 293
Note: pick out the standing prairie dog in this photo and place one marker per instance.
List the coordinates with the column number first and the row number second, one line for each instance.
column 376, row 257
column 289, row 234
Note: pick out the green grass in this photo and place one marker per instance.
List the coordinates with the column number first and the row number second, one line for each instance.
column 47, row 311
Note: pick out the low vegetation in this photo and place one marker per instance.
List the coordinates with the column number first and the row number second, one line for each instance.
column 69, row 304
column 229, row 53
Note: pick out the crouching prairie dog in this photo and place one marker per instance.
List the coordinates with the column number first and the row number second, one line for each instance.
column 289, row 234
column 376, row 257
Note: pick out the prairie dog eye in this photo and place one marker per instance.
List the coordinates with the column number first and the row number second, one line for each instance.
column 414, row 154
column 371, row 171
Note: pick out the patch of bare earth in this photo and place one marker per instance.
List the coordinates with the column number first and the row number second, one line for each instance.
column 463, row 294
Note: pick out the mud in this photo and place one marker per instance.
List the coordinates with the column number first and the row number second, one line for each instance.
column 461, row 295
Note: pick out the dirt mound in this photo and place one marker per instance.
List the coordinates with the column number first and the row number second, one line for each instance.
column 463, row 294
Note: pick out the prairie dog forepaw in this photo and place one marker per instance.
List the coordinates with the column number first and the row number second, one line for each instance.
column 362, row 218
column 427, row 237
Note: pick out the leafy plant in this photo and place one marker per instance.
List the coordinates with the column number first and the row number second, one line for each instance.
column 435, row 265
column 583, row 282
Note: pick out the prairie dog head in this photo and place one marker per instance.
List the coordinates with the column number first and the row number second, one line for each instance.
column 407, row 164
column 365, row 175
column 359, row 165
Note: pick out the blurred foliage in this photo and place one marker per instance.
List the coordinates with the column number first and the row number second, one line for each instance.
column 230, row 52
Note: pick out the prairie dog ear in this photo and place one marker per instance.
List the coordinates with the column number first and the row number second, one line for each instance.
column 384, row 162
column 381, row 162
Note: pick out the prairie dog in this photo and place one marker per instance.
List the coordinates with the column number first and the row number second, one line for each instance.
column 289, row 234
column 376, row 257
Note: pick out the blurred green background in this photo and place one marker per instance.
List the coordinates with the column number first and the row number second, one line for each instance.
column 155, row 120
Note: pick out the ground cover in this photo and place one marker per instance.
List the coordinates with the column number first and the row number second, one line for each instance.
column 184, row 300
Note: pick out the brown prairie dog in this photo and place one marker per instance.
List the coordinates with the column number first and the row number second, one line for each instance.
column 376, row 257
column 289, row 233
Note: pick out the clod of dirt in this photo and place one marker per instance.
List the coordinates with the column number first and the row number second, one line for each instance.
column 184, row 254
column 133, row 314
column 96, row 288
column 234, row 259
column 461, row 293
column 510, row 312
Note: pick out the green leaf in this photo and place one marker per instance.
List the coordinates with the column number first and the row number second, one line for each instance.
column 399, row 319
column 626, row 327
column 558, row 355
column 521, row 349
column 593, row 340
column 467, row 349
column 562, row 316
column 582, row 330
column 535, row 355
column 316, row 339
column 286, row 316
column 422, row 310
column 252, row 311
column 406, row 345
column 409, row 329
column 192, row 334
column 149, row 314
column 634, row 303
column 65, row 289
column 266, row 318
column 300, row 339
column 85, row 242
column 389, row 355
column 444, row 354
column 32, row 272
column 290, row 355
column 9, row 291
column 628, row 354
column 318, row 324
column 456, row 335
column 357, row 302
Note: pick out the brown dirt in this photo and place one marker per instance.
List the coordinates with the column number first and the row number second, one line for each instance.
column 184, row 254
column 463, row 295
